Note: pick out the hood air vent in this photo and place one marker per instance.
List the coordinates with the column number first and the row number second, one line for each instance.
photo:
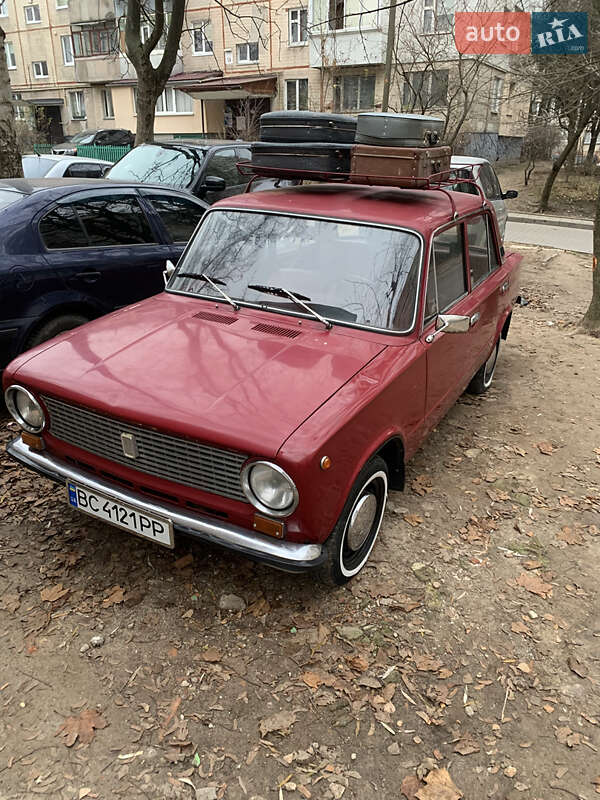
column 275, row 330
column 210, row 316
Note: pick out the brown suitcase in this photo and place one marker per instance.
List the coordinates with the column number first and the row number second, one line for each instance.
column 399, row 166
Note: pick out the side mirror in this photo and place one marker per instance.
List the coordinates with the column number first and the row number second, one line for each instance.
column 449, row 323
column 168, row 271
column 212, row 183
column 510, row 195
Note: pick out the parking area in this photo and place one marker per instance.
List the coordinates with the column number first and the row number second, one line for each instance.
column 469, row 643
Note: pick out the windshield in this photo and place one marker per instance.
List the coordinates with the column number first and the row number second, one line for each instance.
column 36, row 167
column 149, row 163
column 352, row 273
column 7, row 197
column 85, row 137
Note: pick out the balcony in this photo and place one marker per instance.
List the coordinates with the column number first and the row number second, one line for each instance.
column 347, row 47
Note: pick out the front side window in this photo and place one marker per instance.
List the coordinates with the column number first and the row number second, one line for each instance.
column 296, row 95
column 447, row 279
column 67, row 50
column 247, row 53
column 32, row 14
column 355, row 93
column 222, row 164
column 169, row 165
column 352, row 273
column 202, row 44
column 40, row 69
column 11, row 61
column 489, row 182
column 178, row 215
column 107, row 104
column 298, row 26
column 77, row 101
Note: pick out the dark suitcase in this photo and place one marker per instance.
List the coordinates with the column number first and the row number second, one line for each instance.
column 268, row 157
column 306, row 126
column 409, row 167
column 401, row 130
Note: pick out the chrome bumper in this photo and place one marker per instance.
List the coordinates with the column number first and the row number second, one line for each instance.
column 288, row 556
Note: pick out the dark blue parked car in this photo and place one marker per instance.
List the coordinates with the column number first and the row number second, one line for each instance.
column 72, row 250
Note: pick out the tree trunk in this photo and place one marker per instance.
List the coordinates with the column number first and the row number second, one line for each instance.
column 567, row 150
column 10, row 160
column 146, row 107
column 591, row 321
column 588, row 166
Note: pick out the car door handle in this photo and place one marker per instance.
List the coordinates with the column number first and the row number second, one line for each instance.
column 475, row 319
column 91, row 276
column 504, row 287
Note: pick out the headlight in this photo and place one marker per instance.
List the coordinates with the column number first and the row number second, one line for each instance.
column 269, row 489
column 24, row 408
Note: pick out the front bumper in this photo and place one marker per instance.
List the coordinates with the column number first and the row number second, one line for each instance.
column 288, row 556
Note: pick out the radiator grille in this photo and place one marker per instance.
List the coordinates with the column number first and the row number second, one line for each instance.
column 176, row 459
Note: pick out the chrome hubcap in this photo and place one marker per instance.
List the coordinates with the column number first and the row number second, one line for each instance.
column 361, row 521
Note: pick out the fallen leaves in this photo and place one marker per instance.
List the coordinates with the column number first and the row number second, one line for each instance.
column 82, row 727
column 520, row 627
column 577, row 667
column 466, row 746
column 211, row 655
column 425, row 663
column 281, row 722
column 316, row 679
column 545, row 448
column 413, row 519
column 10, row 602
column 115, row 596
column 440, row 786
column 410, row 786
column 564, row 735
column 570, row 536
column 51, row 594
column 534, row 584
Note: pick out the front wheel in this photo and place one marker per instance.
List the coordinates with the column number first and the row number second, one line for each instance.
column 353, row 538
column 482, row 380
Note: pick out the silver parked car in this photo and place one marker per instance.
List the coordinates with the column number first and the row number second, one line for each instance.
column 485, row 177
column 49, row 166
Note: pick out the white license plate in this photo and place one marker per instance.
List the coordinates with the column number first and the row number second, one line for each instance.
column 157, row 529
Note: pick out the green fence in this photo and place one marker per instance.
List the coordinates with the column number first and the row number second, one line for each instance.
column 88, row 151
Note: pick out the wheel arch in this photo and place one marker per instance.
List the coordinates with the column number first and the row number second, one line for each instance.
column 506, row 326
column 392, row 452
column 67, row 307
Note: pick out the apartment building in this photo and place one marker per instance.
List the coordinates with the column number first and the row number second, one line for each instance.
column 69, row 72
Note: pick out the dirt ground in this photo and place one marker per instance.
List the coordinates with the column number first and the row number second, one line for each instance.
column 467, row 652
column 572, row 195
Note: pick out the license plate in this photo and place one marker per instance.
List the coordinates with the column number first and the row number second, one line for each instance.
column 157, row 529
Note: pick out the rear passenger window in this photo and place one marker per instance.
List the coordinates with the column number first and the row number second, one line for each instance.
column 223, row 165
column 61, row 229
column 477, row 236
column 449, row 267
column 179, row 216
column 114, row 220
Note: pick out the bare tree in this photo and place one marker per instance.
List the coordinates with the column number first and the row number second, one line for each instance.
column 591, row 321
column 10, row 160
column 589, row 163
column 151, row 79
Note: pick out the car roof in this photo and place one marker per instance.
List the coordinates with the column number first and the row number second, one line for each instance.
column 59, row 187
column 468, row 160
column 201, row 144
column 423, row 210
column 76, row 159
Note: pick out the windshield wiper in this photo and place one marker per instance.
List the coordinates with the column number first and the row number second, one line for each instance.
column 294, row 296
column 214, row 282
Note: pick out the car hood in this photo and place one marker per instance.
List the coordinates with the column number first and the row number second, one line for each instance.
column 194, row 368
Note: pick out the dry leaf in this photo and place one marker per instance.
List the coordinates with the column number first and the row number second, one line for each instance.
column 282, row 722
column 426, row 663
column 212, row 655
column 53, row 593
column 577, row 667
column 566, row 736
column 10, row 602
column 534, row 584
column 524, row 667
column 82, row 727
column 315, row 679
column 520, row 627
column 184, row 561
column 410, row 786
column 358, row 663
column 545, row 448
column 440, row 786
column 466, row 746
column 413, row 519
column 115, row 596
column 570, row 536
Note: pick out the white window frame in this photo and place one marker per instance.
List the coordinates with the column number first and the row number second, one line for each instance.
column 168, row 101
column 247, row 60
column 201, row 28
column 61, row 4
column 66, row 62
column 41, row 75
column 3, row 8
column 32, row 21
column 77, row 94
column 108, row 109
column 297, row 104
column 11, row 59
column 435, row 6
column 229, row 56
column 496, row 94
column 295, row 29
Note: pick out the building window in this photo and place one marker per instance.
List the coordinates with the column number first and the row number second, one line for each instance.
column 77, row 101
column 107, row 104
column 425, row 89
column 95, row 40
column 67, row 50
column 228, row 57
column 336, row 14
column 62, row 4
column 496, row 95
column 32, row 14
column 40, row 69
column 202, row 44
column 247, row 53
column 174, row 101
column 355, row 93
column 296, row 95
column 20, row 111
column 436, row 18
column 147, row 28
column 11, row 61
column 298, row 26
column 3, row 8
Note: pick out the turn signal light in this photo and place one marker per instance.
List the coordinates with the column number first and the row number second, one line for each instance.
column 270, row 527
column 32, row 441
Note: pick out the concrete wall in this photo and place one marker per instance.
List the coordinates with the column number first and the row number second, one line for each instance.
column 490, row 145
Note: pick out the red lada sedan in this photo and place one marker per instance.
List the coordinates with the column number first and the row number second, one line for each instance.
column 268, row 399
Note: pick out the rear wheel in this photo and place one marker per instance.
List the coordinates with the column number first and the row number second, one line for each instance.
column 55, row 326
column 353, row 538
column 482, row 380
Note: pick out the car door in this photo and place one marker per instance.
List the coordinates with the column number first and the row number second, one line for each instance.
column 451, row 357
column 103, row 245
column 222, row 164
column 178, row 215
column 491, row 187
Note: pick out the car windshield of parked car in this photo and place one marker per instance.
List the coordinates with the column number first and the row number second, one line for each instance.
column 36, row 167
column 149, row 163
column 85, row 137
column 352, row 273
column 8, row 197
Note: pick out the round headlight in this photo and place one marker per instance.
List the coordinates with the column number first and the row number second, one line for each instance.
column 24, row 408
column 269, row 488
